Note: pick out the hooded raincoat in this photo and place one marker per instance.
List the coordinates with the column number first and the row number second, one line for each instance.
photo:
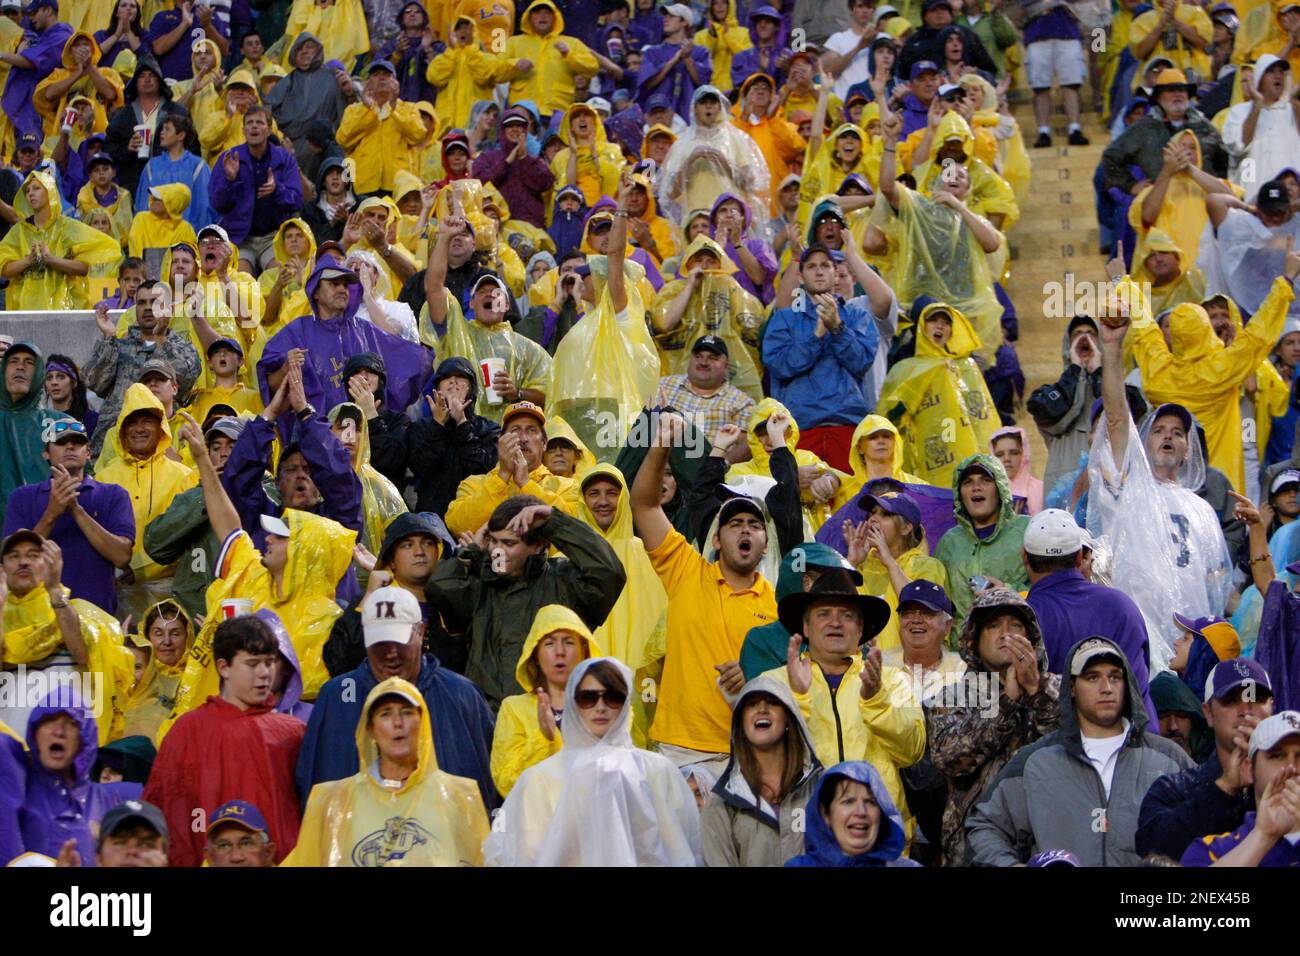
column 431, row 818
column 51, row 111
column 820, row 845
column 598, row 165
column 777, row 138
column 24, row 427
column 722, row 41
column 758, row 248
column 966, row 554
column 293, row 298
column 154, row 694
column 152, row 482
column 549, row 83
column 1023, row 482
column 44, row 51
column 41, row 287
column 518, row 742
column 151, row 235
column 381, row 142
column 340, row 27
column 463, row 76
column 851, row 486
column 310, row 95
column 738, row 826
column 939, row 400
column 598, row 802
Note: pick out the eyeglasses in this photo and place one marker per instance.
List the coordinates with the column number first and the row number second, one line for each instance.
column 587, row 699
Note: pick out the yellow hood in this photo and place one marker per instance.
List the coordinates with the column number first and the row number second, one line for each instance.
column 702, row 243
column 317, row 558
column 45, row 179
column 963, row 342
column 175, row 198
column 869, row 426
column 1234, row 311
column 761, row 413
column 138, row 398
column 95, row 53
column 360, row 454
column 1191, row 337
column 954, row 126
column 368, row 750
column 491, row 196
column 556, row 28
column 557, row 427
column 563, row 132
column 405, row 182
column 551, row 618
column 241, row 75
column 141, row 639
column 282, row 255
column 212, row 48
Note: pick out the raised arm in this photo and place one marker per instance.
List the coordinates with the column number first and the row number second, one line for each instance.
column 1113, row 325
column 890, row 127
column 617, row 245
column 221, row 510
column 651, row 522
column 435, row 276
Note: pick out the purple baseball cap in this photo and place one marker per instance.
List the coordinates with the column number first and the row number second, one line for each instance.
column 927, row 594
column 1227, row 676
column 900, row 504
column 923, row 66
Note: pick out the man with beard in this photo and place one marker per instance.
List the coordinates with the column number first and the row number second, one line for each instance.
column 116, row 363
column 712, row 606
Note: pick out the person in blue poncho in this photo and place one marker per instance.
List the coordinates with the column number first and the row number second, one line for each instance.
column 852, row 821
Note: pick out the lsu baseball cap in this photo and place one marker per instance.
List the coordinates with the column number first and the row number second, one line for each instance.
column 1094, row 649
column 1218, row 633
column 1054, row 858
column 925, row 593
column 524, row 408
column 239, row 813
column 273, row 525
column 1179, row 411
column 1227, row 676
column 1053, row 533
column 1273, row 730
column 388, row 614
column 226, row 343
column 902, row 505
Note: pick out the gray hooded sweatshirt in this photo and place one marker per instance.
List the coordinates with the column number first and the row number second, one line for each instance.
column 306, row 95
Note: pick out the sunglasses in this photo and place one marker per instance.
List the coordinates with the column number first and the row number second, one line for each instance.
column 65, row 427
column 587, row 699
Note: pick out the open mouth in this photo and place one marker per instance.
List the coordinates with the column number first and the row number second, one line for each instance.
column 763, row 723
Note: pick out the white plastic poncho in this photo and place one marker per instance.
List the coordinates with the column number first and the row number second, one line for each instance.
column 1169, row 551
column 598, row 802
column 1245, row 257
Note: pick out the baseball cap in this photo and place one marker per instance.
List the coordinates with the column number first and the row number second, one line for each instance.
column 1273, row 730
column 1218, row 633
column 35, row 5
column 1079, row 320
column 335, row 272
column 99, row 159
column 599, row 103
column 491, row 278
column 1054, row 858
column 388, row 614
column 239, row 813
column 229, row 426
column 1094, row 649
column 1053, row 533
column 226, row 343
column 741, row 504
column 710, row 343
column 678, row 10
column 1173, row 408
column 658, row 102
column 131, row 811
column 215, row 230
column 931, row 4
column 766, row 10
column 1273, row 197
column 947, row 88
column 28, row 140
column 1288, row 477
column 273, row 525
column 524, row 408
column 11, row 4
column 18, row 537
column 794, row 179
column 923, row 66
column 68, row 428
column 1227, row 676
column 381, row 65
column 515, row 118
column 925, row 593
column 157, row 366
column 900, row 504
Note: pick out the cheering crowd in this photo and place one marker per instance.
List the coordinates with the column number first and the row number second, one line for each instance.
column 590, row 432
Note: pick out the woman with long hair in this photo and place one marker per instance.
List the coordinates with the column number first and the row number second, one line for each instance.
column 66, row 392
column 750, row 818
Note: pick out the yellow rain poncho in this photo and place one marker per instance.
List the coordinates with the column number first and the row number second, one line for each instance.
column 471, row 196
column 598, row 164
column 39, row 287
column 852, row 485
column 518, row 741
column 1184, row 55
column 31, row 634
column 209, row 99
column 605, row 370
column 220, row 130
column 1182, row 216
column 381, row 501
column 543, row 290
column 814, row 511
column 151, row 482
column 1188, row 287
column 154, row 695
column 380, row 141
column 464, row 75
column 390, row 224
column 293, row 299
column 550, row 82
column 119, row 210
column 244, row 400
column 527, row 362
column 1261, row 32
column 52, row 112
column 939, row 400
column 1198, row 372
column 935, row 254
column 319, row 553
column 557, row 427
column 600, row 801
column 340, row 26
column 718, row 306
column 777, row 139
column 160, row 233
column 1011, row 160
column 824, row 174
column 989, row 193
column 1272, row 392
column 432, row 819
column 724, row 41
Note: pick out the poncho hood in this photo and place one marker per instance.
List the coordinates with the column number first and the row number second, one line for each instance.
column 526, row 26
column 66, row 701
column 354, row 292
column 986, row 605
column 820, row 846
column 138, row 398
column 1006, row 510
column 368, row 750
column 551, row 618
column 963, row 342
column 292, row 693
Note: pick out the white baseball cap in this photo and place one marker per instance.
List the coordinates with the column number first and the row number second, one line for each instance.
column 388, row 614
column 599, row 103
column 273, row 525
column 1288, row 477
column 1053, row 533
column 1272, row 731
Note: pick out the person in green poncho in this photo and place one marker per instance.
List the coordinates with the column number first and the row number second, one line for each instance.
column 23, row 423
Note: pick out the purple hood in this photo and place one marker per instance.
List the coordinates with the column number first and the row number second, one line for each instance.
column 713, row 213
column 290, row 701
column 354, row 292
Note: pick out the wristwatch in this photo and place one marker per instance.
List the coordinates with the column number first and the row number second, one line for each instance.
column 307, row 413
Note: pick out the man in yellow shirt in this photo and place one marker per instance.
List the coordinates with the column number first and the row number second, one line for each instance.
column 711, row 607
column 519, row 471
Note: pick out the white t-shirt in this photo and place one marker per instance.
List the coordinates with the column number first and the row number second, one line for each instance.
column 857, row 71
column 1103, row 754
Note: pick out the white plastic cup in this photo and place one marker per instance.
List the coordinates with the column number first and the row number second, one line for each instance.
column 488, row 369
column 69, row 118
column 234, row 607
column 146, row 134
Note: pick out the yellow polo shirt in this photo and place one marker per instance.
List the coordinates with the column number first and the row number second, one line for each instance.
column 707, row 623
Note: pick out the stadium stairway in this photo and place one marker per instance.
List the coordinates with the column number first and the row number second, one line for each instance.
column 1057, row 235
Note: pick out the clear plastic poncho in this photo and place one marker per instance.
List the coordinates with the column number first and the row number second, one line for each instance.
column 1170, row 554
column 605, row 371
column 432, row 819
column 598, row 802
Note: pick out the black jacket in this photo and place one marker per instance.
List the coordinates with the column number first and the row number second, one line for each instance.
column 121, row 127
column 1182, row 807
column 1143, row 143
column 442, row 456
column 345, row 650
column 706, row 496
column 388, row 449
column 927, row 44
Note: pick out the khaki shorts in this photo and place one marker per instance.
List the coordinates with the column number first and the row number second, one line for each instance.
column 259, row 250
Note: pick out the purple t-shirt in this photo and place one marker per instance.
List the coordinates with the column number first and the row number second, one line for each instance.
column 176, row 63
column 1055, row 24
column 86, row 573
